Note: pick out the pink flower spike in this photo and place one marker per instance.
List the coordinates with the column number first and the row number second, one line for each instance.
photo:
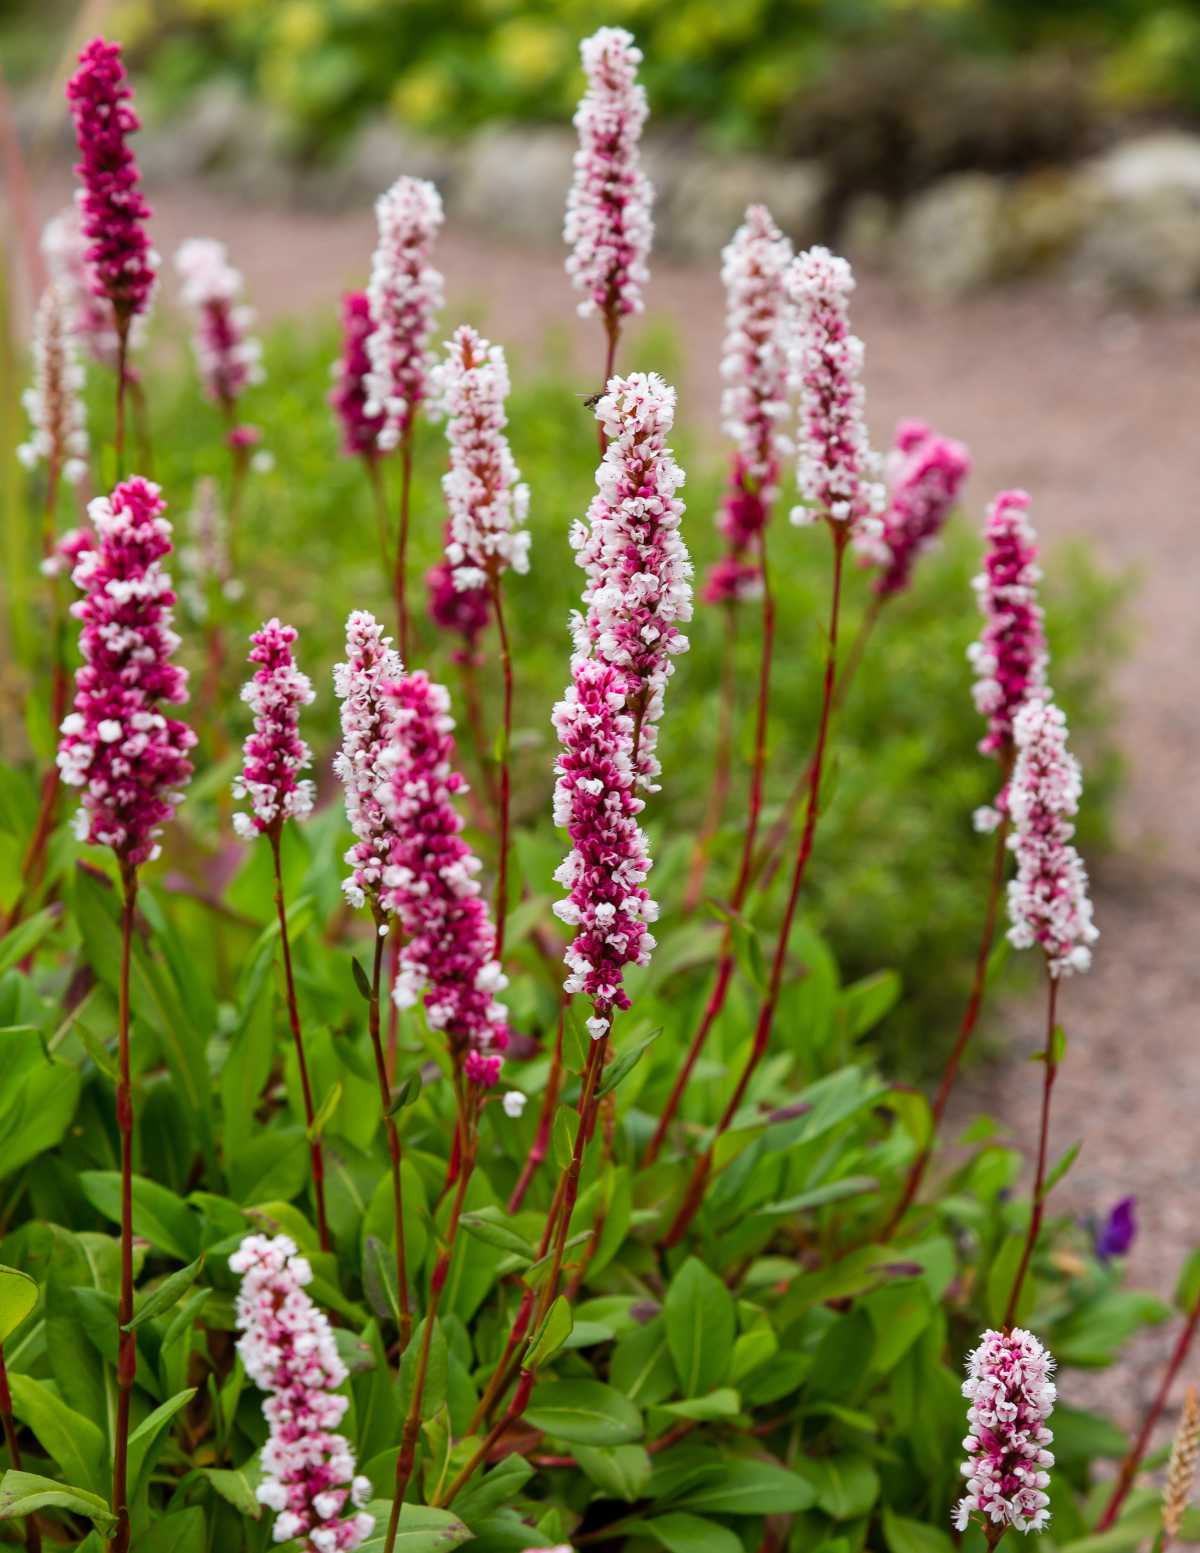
column 1048, row 902
column 466, row 612
column 605, row 871
column 430, row 885
column 368, row 719
column 608, row 224
column 1010, row 657
column 229, row 358
column 837, row 473
column 89, row 317
column 348, row 397
column 1012, row 1394
column 54, row 403
column 731, row 581
column 404, row 295
column 117, row 746
column 309, row 1476
column 926, row 473
column 638, row 590
column 274, row 752
column 123, row 264
column 486, row 500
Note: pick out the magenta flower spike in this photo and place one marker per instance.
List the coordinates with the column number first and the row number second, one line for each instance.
column 58, row 426
column 756, row 369
column 117, row 746
column 1010, row 658
column 348, row 397
column 448, row 959
column 926, row 473
column 228, row 356
column 368, row 728
column 114, row 212
column 596, row 802
column 1011, row 1391
column 486, row 499
column 837, row 473
column 1048, row 901
column 404, row 295
column 464, row 611
column 275, row 754
column 608, row 224
column 309, row 1479
column 638, row 590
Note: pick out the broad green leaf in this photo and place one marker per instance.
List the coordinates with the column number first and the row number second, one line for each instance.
column 906, row 1536
column 146, row 1440
column 679, row 1532
column 1001, row 1277
column 499, row 1487
column 183, row 1532
column 168, row 1294
column 490, row 1226
column 325, row 1112
column 24, row 1493
column 1060, row 1168
column 25, row 938
column 436, row 1377
column 584, row 1412
column 18, row 1296
column 551, row 1335
column 72, row 1441
column 619, row 1471
column 846, row 1484
column 237, row 1487
column 624, row 1063
column 421, row 1530
column 723, row 1403
column 159, row 1216
column 701, row 1323
column 379, row 1279
column 863, row 1004
column 641, row 1367
column 749, row 1486
column 818, row 1196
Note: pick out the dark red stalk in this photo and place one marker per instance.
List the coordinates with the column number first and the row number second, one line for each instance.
column 505, row 771
column 379, row 493
column 401, row 577
column 122, row 326
column 694, row 1195
column 541, row 1142
column 315, row 1150
column 126, row 1340
column 393, row 1133
column 612, row 333
column 1038, row 1206
column 33, row 1536
column 741, row 887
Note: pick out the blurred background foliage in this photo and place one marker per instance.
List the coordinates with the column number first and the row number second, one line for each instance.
column 927, row 86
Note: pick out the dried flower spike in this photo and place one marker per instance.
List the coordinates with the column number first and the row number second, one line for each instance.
column 1181, row 1472
column 309, row 1476
column 274, row 752
column 404, row 295
column 58, row 436
column 608, row 224
column 1012, row 1394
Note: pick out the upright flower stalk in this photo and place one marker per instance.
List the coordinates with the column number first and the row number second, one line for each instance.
column 448, row 961
column 123, row 265
column 836, row 475
column 1010, row 662
column 1048, row 902
column 130, row 761
column 756, row 369
column 348, row 399
column 274, row 756
column 608, row 223
column 487, row 505
column 309, row 1477
column 363, row 765
column 404, row 295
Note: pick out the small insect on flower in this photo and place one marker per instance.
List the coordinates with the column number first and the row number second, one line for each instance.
column 1012, row 1394
column 275, row 754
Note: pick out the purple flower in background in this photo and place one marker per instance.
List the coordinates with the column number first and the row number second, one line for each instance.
column 1119, row 1230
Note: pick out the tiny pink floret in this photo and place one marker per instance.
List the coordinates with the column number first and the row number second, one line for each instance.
column 1011, row 1391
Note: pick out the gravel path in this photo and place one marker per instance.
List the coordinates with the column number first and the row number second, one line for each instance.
column 1095, row 414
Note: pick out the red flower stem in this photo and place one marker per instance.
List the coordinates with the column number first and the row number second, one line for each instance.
column 1038, row 1206
column 470, row 694
column 393, row 1039
column 382, row 521
column 541, row 1142
column 694, row 1194
column 122, row 327
column 316, row 1152
column 612, row 332
column 516, row 1407
column 126, row 1340
column 1133, row 1460
column 970, row 1019
column 33, row 1537
column 505, row 772
column 741, row 887
column 401, row 576
column 393, row 1132
column 722, row 760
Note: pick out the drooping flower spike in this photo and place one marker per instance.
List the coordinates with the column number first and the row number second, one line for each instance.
column 486, row 500
column 1011, row 1392
column 608, row 224
column 1010, row 658
column 756, row 369
column 228, row 356
column 1048, row 901
column 926, row 473
column 837, row 473
column 430, row 885
column 362, row 763
column 54, row 403
column 117, row 746
column 349, row 395
column 309, row 1476
column 638, row 590
column 275, row 754
column 114, row 212
column 404, row 295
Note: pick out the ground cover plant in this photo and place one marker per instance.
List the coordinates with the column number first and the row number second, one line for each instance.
column 412, row 1195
